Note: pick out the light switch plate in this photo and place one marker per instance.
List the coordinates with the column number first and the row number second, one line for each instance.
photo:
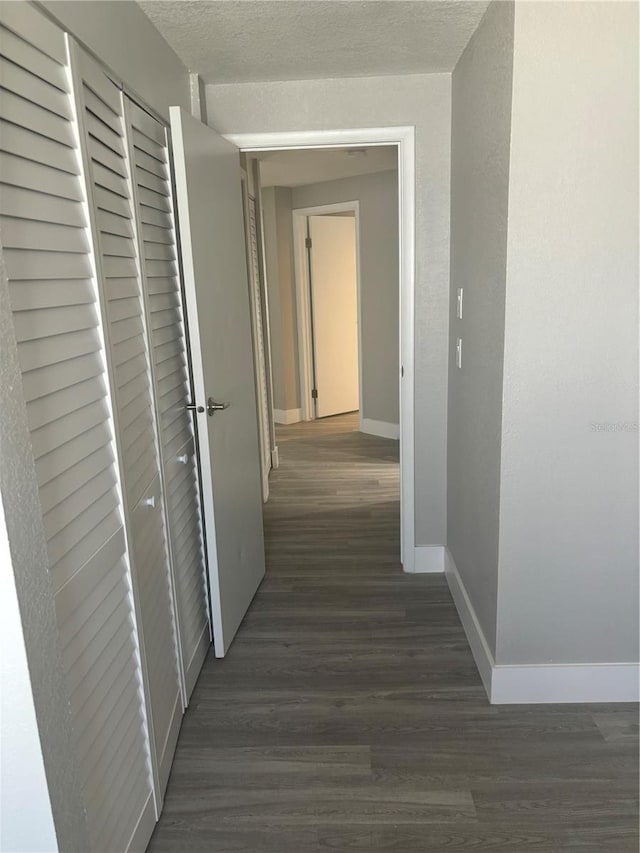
column 459, row 308
column 459, row 352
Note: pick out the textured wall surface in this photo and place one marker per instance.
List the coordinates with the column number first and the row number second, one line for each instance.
column 480, row 142
column 569, row 493
column 379, row 284
column 25, row 531
column 423, row 101
column 124, row 39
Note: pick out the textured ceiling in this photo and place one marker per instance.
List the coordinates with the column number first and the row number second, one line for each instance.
column 296, row 168
column 235, row 41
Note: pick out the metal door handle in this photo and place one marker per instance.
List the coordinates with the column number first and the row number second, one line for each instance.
column 213, row 407
column 191, row 407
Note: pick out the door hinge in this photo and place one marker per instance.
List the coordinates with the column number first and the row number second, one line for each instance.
column 307, row 242
column 314, row 394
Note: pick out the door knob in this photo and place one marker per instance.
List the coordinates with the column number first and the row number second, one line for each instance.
column 213, row 407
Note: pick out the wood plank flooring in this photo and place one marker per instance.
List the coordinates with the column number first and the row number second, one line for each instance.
column 349, row 715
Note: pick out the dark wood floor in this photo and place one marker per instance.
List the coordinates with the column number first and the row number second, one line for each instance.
column 349, row 715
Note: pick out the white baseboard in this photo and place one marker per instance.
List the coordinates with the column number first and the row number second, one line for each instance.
column 275, row 457
column 382, row 429
column 287, row 416
column 428, row 559
column 540, row 683
column 575, row 682
column 475, row 635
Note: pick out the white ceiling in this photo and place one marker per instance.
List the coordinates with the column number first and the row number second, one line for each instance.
column 236, row 41
column 296, row 168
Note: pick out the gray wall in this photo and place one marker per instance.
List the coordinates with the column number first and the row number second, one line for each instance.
column 122, row 37
column 278, row 237
column 423, row 101
column 568, row 575
column 480, row 141
column 379, row 283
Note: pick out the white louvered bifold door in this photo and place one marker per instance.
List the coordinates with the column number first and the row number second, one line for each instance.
column 101, row 117
column 166, row 329
column 259, row 349
column 46, row 242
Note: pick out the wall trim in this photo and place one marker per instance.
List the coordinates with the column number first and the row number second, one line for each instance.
column 475, row 635
column 287, row 416
column 565, row 683
column 428, row 559
column 383, row 429
column 404, row 138
column 517, row 684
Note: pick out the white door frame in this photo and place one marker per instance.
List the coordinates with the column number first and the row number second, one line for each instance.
column 303, row 300
column 404, row 139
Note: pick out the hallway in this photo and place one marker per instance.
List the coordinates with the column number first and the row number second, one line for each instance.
column 349, row 714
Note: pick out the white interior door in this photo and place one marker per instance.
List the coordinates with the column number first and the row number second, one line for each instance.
column 208, row 195
column 334, row 305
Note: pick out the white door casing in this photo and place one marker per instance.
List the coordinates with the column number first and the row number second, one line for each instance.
column 334, row 311
column 208, row 195
column 404, row 139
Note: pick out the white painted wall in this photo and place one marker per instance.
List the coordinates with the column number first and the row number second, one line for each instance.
column 423, row 101
column 26, row 820
column 379, row 282
column 568, row 575
column 480, row 143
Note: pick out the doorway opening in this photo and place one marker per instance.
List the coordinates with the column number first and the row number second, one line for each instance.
column 302, row 406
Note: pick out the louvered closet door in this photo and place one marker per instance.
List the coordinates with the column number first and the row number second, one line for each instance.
column 259, row 347
column 158, row 252
column 45, row 239
column 101, row 112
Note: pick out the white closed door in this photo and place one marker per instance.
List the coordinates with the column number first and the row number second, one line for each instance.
column 334, row 305
column 209, row 201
